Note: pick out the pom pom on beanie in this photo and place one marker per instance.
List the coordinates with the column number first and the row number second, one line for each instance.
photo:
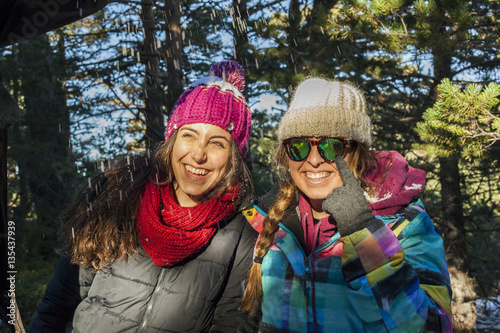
column 216, row 99
column 229, row 71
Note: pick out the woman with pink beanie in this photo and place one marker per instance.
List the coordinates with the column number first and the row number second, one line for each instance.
column 157, row 242
column 344, row 245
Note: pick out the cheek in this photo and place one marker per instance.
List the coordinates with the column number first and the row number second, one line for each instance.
column 221, row 163
column 179, row 151
column 336, row 181
column 175, row 157
column 294, row 169
column 295, row 177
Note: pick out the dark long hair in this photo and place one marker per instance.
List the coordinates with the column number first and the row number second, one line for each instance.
column 99, row 226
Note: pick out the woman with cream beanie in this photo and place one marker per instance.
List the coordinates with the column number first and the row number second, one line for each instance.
column 344, row 245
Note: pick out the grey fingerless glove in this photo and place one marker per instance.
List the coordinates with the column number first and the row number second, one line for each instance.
column 347, row 204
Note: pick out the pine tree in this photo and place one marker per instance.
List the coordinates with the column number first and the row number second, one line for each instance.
column 452, row 39
column 464, row 122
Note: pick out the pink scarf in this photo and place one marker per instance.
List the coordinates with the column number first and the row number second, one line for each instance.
column 396, row 182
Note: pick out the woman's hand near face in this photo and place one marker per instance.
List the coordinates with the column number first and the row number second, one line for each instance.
column 347, row 204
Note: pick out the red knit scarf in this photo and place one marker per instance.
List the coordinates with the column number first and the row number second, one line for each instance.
column 176, row 232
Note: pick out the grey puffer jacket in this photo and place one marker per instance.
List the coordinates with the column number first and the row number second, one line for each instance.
column 201, row 295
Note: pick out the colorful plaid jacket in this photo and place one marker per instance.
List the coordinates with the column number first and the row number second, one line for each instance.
column 347, row 286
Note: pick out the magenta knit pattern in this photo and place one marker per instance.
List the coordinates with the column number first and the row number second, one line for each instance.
column 216, row 100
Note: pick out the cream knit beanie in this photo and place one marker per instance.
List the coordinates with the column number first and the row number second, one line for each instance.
column 327, row 108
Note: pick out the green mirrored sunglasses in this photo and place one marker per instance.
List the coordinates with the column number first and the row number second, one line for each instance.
column 329, row 148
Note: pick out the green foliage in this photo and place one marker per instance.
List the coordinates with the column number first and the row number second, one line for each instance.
column 33, row 276
column 386, row 7
column 481, row 205
column 462, row 122
column 262, row 143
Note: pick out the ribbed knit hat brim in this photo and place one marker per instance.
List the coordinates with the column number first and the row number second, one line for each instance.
column 216, row 99
column 322, row 108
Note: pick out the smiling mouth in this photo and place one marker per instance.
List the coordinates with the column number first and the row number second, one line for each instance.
column 199, row 172
column 316, row 175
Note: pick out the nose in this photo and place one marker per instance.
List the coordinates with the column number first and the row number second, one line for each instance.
column 199, row 152
column 314, row 158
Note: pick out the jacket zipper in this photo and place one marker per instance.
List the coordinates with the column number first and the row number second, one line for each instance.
column 309, row 263
column 313, row 289
column 149, row 307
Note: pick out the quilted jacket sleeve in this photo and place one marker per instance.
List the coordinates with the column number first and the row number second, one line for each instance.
column 66, row 289
column 399, row 282
column 227, row 318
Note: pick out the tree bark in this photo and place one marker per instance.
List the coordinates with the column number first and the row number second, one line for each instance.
column 153, row 91
column 45, row 155
column 453, row 219
column 240, row 20
column 173, row 52
column 294, row 60
column 449, row 177
column 453, row 216
column 317, row 36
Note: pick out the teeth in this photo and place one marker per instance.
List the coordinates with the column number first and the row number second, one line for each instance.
column 201, row 172
column 316, row 175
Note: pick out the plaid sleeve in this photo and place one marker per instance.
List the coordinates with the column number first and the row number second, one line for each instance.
column 404, row 277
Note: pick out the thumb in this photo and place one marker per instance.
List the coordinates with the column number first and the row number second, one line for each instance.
column 345, row 173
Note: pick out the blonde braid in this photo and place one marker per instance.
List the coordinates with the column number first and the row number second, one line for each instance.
column 253, row 292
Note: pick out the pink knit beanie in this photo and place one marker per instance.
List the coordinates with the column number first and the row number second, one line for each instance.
column 216, row 99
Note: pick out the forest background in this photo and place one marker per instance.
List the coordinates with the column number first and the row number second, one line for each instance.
column 104, row 86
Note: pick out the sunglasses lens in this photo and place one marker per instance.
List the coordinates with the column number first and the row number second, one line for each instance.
column 298, row 149
column 330, row 148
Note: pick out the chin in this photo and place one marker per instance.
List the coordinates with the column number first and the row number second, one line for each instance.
column 316, row 195
column 195, row 193
column 319, row 194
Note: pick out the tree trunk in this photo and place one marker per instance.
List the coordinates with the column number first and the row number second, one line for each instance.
column 173, row 52
column 240, row 20
column 43, row 149
column 453, row 217
column 317, row 36
column 153, row 92
column 320, row 8
column 453, row 220
column 293, row 59
column 462, row 285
